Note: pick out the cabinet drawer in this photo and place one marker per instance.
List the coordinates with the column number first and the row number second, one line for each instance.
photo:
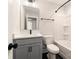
column 27, row 41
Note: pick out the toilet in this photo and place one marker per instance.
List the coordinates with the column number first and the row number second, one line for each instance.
column 51, row 47
column 53, row 50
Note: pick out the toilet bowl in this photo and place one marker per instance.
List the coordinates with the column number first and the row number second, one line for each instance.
column 51, row 47
column 53, row 50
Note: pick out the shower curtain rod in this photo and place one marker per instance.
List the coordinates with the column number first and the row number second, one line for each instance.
column 62, row 5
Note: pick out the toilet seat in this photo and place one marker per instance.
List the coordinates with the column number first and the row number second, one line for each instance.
column 53, row 48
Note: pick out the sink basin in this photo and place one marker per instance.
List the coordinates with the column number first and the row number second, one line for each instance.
column 16, row 36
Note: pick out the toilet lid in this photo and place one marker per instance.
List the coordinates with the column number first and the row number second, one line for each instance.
column 53, row 48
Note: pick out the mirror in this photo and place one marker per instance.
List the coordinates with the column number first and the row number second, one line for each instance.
column 30, row 23
column 29, row 18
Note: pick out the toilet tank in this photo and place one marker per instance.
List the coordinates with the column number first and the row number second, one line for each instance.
column 48, row 39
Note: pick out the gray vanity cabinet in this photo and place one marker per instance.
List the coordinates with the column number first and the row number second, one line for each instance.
column 20, row 53
column 36, row 52
column 28, row 49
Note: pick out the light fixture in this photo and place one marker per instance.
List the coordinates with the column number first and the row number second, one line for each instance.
column 31, row 1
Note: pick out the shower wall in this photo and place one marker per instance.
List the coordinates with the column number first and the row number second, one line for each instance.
column 62, row 23
column 60, row 27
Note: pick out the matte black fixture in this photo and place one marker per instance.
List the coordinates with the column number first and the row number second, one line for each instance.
column 62, row 5
column 25, row 24
column 47, row 19
column 31, row 1
column 30, row 31
column 10, row 46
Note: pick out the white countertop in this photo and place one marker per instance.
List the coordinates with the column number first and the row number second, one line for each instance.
column 16, row 36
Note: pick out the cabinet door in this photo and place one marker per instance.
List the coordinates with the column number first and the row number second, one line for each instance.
column 36, row 52
column 20, row 53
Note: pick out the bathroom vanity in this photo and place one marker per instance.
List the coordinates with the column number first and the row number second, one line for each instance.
column 30, row 42
column 28, row 48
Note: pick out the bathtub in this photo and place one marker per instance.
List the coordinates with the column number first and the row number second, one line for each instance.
column 65, row 48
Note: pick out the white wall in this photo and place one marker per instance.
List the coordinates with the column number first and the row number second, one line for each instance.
column 62, row 18
column 67, row 11
column 14, row 16
column 13, row 21
column 10, row 19
column 46, row 11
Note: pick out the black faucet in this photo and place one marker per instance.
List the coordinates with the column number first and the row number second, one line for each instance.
column 30, row 31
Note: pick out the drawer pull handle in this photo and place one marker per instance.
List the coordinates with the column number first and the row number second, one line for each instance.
column 29, row 49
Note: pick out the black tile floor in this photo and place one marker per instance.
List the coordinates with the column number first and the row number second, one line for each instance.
column 44, row 56
column 58, row 56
